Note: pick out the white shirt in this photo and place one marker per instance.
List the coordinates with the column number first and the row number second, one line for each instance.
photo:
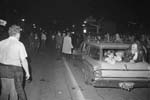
column 12, row 51
column 67, row 45
column 43, row 37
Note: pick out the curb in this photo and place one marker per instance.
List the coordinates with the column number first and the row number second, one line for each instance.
column 76, row 92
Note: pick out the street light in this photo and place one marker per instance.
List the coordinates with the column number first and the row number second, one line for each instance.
column 3, row 22
column 85, row 22
column 34, row 26
column 23, row 20
column 72, row 32
column 73, row 26
column 84, row 30
column 83, row 25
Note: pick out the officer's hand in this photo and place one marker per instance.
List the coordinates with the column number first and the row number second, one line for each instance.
column 27, row 76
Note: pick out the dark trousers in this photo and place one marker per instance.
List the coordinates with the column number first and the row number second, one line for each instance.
column 59, row 53
column 67, row 56
column 16, row 73
column 8, row 90
column 43, row 44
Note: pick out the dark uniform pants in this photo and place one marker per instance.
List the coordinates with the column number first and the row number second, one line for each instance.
column 16, row 73
column 8, row 90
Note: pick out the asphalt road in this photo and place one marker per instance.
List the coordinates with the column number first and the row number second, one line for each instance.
column 48, row 77
column 54, row 79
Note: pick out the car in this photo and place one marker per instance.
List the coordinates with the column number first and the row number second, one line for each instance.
column 100, row 70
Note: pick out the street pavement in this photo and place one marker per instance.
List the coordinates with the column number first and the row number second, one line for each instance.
column 48, row 77
column 54, row 79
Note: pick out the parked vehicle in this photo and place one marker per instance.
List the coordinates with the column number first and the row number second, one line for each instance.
column 105, row 66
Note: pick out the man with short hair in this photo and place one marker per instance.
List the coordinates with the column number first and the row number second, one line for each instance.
column 12, row 63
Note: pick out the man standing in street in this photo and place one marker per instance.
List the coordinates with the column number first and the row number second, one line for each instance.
column 43, row 40
column 13, row 64
column 59, row 41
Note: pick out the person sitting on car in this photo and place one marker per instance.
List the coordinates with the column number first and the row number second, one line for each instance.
column 118, row 38
column 134, row 53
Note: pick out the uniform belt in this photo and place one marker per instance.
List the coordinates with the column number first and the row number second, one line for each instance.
column 8, row 71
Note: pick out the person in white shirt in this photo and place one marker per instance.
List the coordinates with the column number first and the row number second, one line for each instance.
column 12, row 63
column 43, row 40
column 67, row 46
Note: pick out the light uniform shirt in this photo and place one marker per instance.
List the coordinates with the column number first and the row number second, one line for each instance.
column 67, row 45
column 43, row 37
column 12, row 51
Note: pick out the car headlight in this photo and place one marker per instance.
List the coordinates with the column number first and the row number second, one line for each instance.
column 96, row 68
column 97, row 73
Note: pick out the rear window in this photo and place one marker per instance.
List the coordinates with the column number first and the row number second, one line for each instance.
column 113, row 55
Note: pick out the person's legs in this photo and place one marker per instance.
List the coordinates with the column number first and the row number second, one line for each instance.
column 19, row 86
column 8, row 89
column 44, row 42
column 59, row 52
column 68, row 57
column 13, row 93
column 41, row 44
column 5, row 89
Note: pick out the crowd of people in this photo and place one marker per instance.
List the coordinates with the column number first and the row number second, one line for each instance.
column 13, row 55
column 35, row 42
column 63, row 44
column 141, row 40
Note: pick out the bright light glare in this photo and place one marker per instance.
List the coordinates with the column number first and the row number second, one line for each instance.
column 3, row 22
column 85, row 22
column 84, row 31
column 23, row 20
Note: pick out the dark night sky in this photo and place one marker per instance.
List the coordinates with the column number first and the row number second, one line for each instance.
column 78, row 9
